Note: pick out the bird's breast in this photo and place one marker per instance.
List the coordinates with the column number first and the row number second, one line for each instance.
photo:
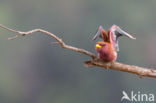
column 107, row 55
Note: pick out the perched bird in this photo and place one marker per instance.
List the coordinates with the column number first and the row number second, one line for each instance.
column 108, row 48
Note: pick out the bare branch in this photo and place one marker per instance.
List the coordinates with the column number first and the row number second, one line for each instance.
column 140, row 71
column 63, row 45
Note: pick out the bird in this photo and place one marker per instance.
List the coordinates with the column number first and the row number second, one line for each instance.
column 108, row 48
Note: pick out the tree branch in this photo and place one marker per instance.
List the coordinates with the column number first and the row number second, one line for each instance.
column 140, row 71
column 62, row 44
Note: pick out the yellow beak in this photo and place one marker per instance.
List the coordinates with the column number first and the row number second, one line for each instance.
column 98, row 46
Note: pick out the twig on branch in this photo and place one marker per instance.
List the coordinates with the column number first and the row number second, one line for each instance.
column 140, row 71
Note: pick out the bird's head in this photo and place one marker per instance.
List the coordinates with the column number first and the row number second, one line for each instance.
column 101, row 46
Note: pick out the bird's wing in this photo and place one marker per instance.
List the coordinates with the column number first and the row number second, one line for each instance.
column 101, row 33
column 113, row 39
column 114, row 33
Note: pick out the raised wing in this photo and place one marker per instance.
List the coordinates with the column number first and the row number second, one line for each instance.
column 114, row 33
column 101, row 33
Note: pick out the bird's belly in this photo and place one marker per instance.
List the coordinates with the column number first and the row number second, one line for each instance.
column 108, row 57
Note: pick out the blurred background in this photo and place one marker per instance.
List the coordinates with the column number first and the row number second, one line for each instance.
column 32, row 70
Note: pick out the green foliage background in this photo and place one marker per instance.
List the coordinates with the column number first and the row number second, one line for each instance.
column 34, row 71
